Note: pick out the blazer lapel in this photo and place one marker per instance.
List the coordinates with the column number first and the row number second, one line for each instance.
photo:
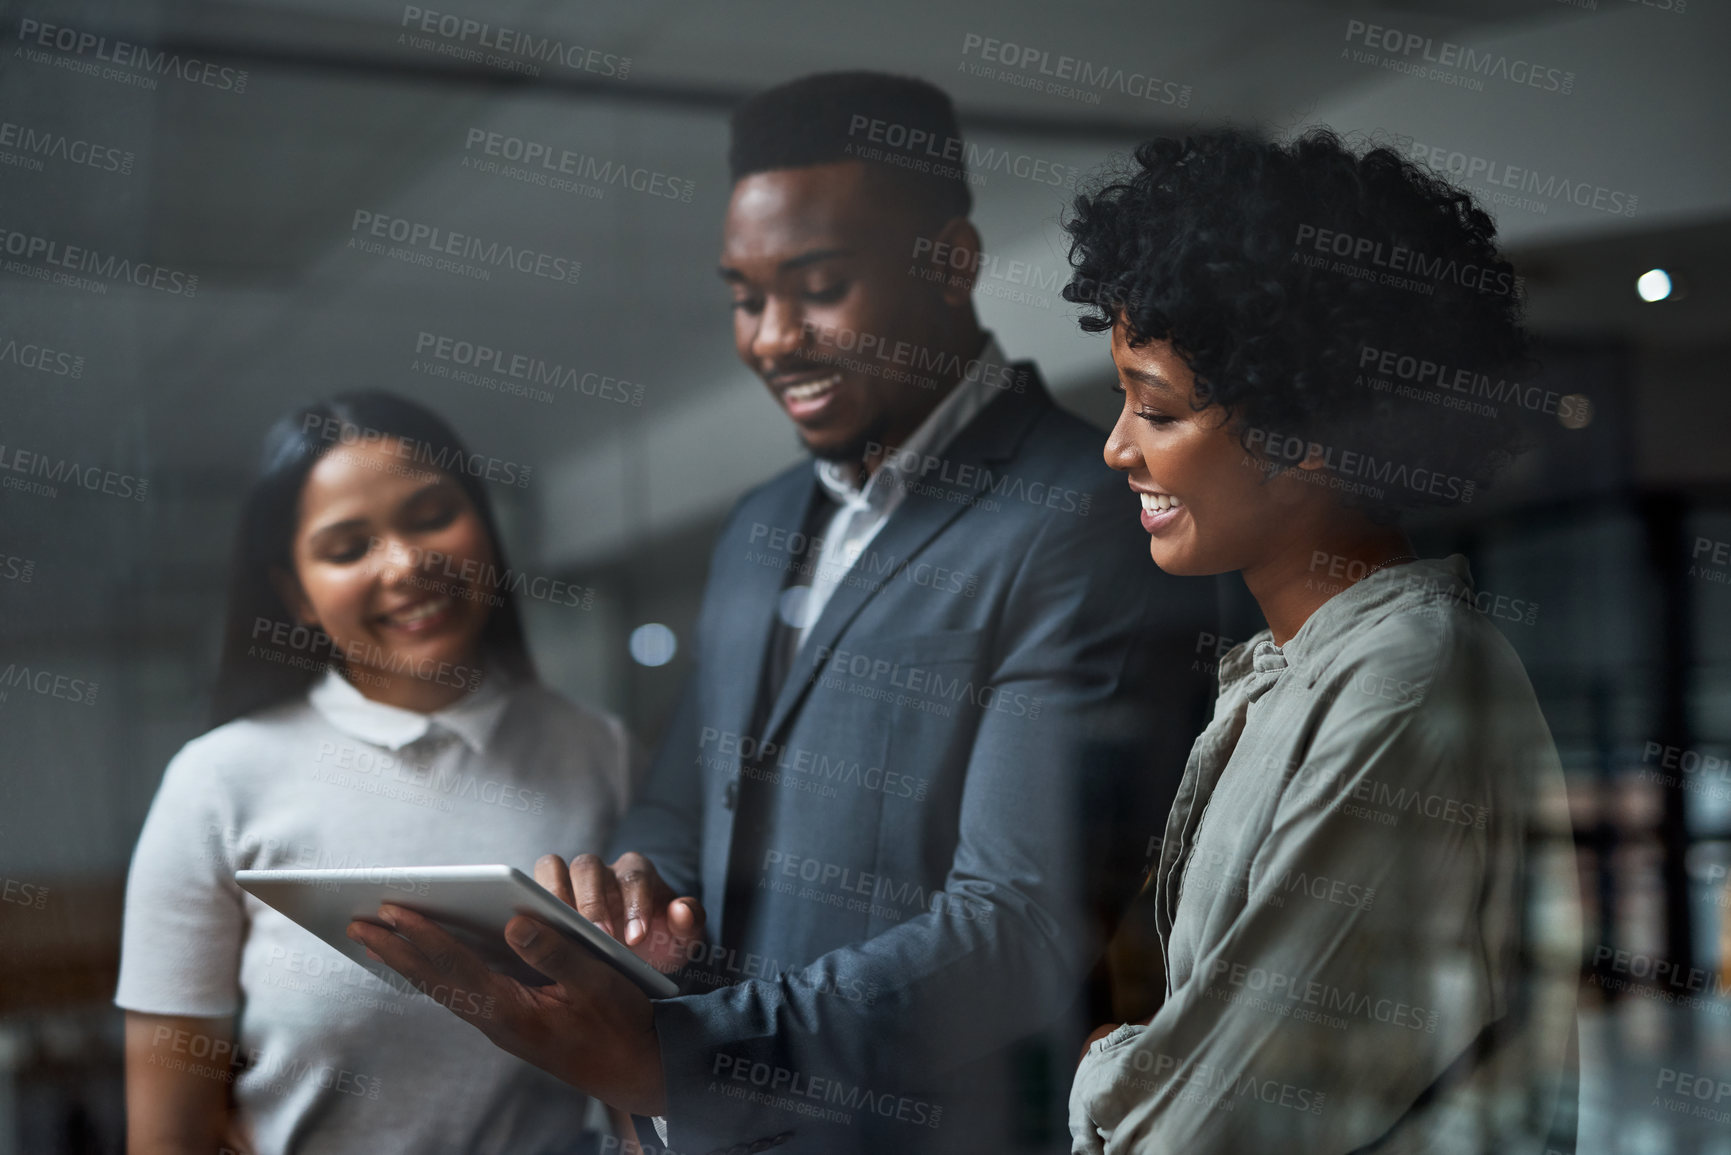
column 989, row 439
column 750, row 592
column 753, row 600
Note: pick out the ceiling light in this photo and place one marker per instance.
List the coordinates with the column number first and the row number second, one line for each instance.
column 1653, row 285
column 653, row 644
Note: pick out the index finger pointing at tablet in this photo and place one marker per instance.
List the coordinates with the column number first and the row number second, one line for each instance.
column 643, row 892
column 685, row 920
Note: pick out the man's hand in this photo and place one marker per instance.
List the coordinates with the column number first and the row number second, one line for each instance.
column 591, row 1027
column 629, row 901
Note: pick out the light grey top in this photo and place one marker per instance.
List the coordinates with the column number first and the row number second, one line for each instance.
column 335, row 1058
column 1339, row 900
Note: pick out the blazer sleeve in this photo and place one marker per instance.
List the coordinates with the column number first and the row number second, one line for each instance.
column 665, row 821
column 1077, row 760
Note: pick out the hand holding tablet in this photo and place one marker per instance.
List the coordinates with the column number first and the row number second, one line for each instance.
column 591, row 1025
column 471, row 903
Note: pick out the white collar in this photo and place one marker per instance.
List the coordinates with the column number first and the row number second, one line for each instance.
column 970, row 395
column 473, row 717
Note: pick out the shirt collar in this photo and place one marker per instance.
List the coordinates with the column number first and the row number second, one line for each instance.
column 971, row 394
column 1416, row 582
column 1326, row 630
column 473, row 717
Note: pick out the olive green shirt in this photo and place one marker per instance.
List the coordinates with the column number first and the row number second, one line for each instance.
column 1340, row 898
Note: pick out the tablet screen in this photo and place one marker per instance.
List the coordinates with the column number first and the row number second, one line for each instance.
column 472, row 902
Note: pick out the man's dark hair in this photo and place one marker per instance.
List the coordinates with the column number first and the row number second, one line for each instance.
column 1283, row 274
column 901, row 127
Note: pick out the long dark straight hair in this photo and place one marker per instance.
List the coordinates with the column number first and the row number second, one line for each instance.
column 267, row 655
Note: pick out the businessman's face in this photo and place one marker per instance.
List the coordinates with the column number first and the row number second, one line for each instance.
column 1208, row 506
column 823, row 308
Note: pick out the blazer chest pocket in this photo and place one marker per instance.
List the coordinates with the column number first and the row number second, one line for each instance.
column 906, row 674
column 936, row 647
column 923, row 689
column 927, row 707
column 903, row 668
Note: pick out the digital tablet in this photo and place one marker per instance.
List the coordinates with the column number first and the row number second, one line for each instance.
column 473, row 903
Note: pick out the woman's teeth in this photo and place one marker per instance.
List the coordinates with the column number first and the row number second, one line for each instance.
column 1158, row 502
column 811, row 389
column 419, row 611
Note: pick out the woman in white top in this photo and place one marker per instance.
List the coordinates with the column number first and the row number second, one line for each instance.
column 376, row 706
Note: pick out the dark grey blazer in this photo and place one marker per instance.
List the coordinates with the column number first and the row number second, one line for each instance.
column 929, row 830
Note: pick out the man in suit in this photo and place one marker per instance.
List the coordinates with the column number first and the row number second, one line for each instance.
column 940, row 702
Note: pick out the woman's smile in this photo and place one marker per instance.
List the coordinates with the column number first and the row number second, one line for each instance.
column 1159, row 510
column 421, row 616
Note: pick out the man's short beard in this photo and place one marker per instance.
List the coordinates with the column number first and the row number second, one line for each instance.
column 852, row 451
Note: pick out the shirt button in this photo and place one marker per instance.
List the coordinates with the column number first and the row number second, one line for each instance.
column 730, row 796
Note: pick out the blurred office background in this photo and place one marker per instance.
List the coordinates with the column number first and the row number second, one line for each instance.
column 1614, row 532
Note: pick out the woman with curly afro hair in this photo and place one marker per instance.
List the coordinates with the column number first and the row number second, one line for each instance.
column 1344, row 884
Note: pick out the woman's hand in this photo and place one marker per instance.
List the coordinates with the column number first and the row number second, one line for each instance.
column 1100, row 1032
